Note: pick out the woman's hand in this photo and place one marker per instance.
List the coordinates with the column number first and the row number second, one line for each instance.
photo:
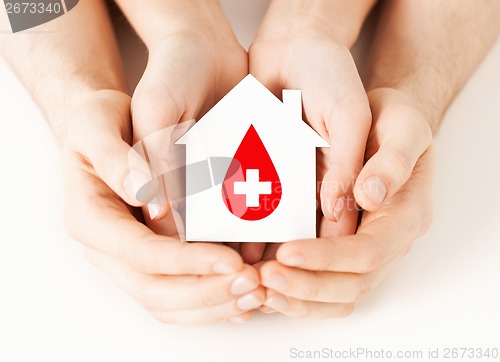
column 307, row 47
column 326, row 277
column 177, row 282
column 190, row 68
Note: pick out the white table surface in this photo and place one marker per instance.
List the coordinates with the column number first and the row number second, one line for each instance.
column 54, row 306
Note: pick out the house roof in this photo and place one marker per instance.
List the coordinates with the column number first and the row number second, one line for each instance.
column 250, row 88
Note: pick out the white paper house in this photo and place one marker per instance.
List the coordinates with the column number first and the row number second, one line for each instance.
column 291, row 145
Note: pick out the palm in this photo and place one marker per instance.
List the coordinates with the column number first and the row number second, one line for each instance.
column 187, row 74
column 335, row 106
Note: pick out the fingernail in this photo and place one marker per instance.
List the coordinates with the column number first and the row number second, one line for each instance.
column 223, row 268
column 154, row 208
column 134, row 181
column 277, row 302
column 248, row 302
column 276, row 282
column 375, row 189
column 237, row 319
column 294, row 260
column 242, row 285
column 267, row 310
column 338, row 208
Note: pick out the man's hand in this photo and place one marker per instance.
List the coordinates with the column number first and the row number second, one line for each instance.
column 325, row 277
column 177, row 282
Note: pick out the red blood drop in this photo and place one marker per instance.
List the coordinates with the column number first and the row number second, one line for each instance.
column 251, row 155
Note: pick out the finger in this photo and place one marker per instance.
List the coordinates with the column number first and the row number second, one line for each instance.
column 242, row 318
column 361, row 253
column 321, row 286
column 344, row 162
column 333, row 229
column 347, row 118
column 218, row 313
column 270, row 252
column 373, row 246
column 171, row 225
column 100, row 220
column 159, row 292
column 167, row 165
column 404, row 137
column 171, row 91
column 161, row 97
column 267, row 310
column 380, row 237
column 252, row 252
column 105, row 150
column 305, row 309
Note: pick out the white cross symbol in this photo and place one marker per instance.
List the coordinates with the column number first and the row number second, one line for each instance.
column 252, row 188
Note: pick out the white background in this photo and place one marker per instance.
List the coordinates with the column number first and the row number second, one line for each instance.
column 445, row 293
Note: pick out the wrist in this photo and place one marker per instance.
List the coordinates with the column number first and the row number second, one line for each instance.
column 399, row 97
column 430, row 108
column 75, row 104
column 339, row 20
column 162, row 18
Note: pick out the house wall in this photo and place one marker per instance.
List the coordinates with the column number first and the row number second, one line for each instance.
column 208, row 219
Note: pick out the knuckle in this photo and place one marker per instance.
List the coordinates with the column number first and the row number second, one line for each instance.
column 221, row 314
column 164, row 318
column 347, row 309
column 427, row 134
column 186, row 254
column 363, row 287
column 426, row 217
column 144, row 296
column 90, row 256
column 360, row 118
column 143, row 99
column 105, row 156
column 422, row 128
column 141, row 260
column 75, row 128
column 326, row 259
column 400, row 166
column 71, row 225
column 312, row 291
column 209, row 298
column 407, row 249
column 371, row 259
column 175, row 317
column 373, row 262
column 301, row 309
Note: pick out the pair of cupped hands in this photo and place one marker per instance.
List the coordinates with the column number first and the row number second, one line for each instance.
column 380, row 158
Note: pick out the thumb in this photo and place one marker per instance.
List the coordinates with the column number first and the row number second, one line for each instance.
column 156, row 113
column 98, row 135
column 402, row 135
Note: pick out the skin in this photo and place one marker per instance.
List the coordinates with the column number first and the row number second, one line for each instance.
column 194, row 60
column 87, row 106
column 326, row 277
column 300, row 46
column 411, row 81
